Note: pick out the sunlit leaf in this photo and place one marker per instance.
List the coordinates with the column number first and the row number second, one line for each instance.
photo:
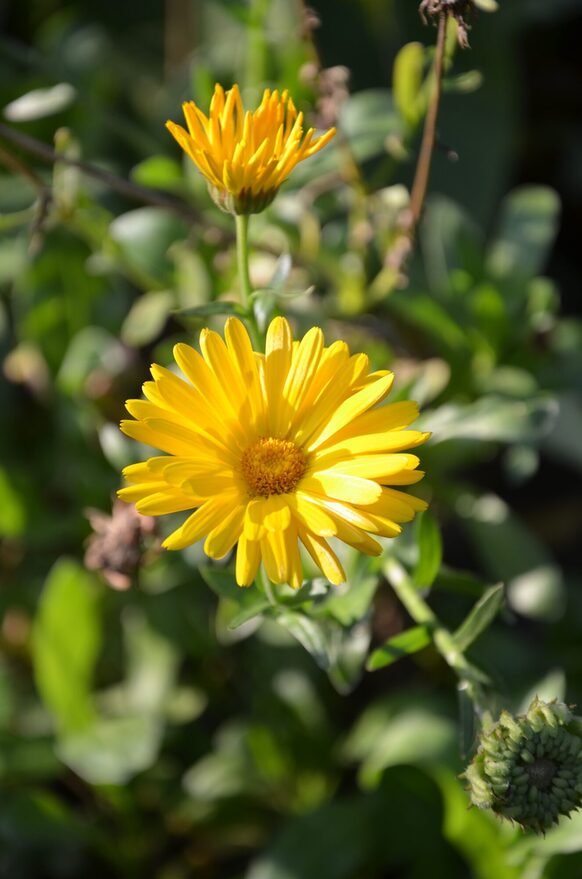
column 404, row 644
column 65, row 644
column 480, row 617
column 39, row 103
column 527, row 229
column 430, row 551
column 309, row 633
column 147, row 317
column 211, row 308
column 112, row 750
column 407, row 81
column 493, row 419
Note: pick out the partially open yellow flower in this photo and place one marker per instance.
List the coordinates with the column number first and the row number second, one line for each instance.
column 274, row 449
column 246, row 156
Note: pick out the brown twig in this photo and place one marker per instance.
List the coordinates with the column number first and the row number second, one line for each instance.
column 404, row 243
column 130, row 190
column 420, row 185
column 37, row 183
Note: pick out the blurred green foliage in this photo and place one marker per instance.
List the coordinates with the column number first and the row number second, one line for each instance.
column 184, row 727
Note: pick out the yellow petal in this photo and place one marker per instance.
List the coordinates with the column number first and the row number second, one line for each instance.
column 323, row 556
column 275, row 558
column 310, row 516
column 277, row 363
column 294, row 565
column 222, row 538
column 254, row 525
column 205, row 519
column 248, row 556
column 276, row 512
column 390, row 441
column 143, row 433
column 163, row 502
column 351, row 408
column 239, row 346
column 337, row 485
column 380, row 467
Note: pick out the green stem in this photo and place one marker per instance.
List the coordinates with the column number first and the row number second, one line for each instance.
column 266, row 586
column 442, row 639
column 246, row 288
column 242, row 254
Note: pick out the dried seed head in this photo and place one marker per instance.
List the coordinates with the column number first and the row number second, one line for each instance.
column 457, row 9
column 117, row 546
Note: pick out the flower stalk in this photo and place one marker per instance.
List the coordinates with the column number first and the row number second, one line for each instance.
column 246, row 287
column 441, row 637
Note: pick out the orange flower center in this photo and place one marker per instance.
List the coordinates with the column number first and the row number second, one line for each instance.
column 272, row 466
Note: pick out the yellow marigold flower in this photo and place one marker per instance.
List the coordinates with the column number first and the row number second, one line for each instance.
column 274, row 450
column 246, row 156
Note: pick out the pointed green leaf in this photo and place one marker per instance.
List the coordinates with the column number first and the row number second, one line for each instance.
column 212, row 308
column 430, row 551
column 310, row 635
column 403, row 644
column 481, row 616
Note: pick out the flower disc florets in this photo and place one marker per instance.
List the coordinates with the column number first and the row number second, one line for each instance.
column 270, row 451
column 529, row 768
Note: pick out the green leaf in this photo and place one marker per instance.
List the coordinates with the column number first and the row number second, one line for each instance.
column 212, row 308
column 112, row 750
column 508, row 550
column 143, row 237
column 480, row 617
column 147, row 317
column 249, row 613
column 152, row 662
column 407, row 81
column 473, row 832
column 12, row 509
column 430, row 551
column 389, row 733
column 39, row 103
column 527, row 230
column 245, row 603
column 65, row 644
column 493, row 419
column 309, row 633
column 404, row 644
column 158, row 172
column 466, row 82
column 349, row 602
column 367, row 119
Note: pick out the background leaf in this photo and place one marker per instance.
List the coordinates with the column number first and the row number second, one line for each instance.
column 66, row 641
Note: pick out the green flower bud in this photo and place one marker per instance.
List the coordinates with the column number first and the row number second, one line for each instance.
column 528, row 768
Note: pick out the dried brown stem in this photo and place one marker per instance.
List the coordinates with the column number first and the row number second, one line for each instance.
column 43, row 192
column 402, row 248
column 421, row 178
column 131, row 190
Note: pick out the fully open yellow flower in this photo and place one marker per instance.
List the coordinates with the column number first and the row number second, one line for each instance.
column 274, row 449
column 246, row 156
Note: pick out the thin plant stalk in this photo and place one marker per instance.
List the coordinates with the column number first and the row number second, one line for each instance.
column 246, row 288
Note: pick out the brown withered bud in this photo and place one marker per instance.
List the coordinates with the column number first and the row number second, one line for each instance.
column 458, row 9
column 118, row 544
column 331, row 85
column 311, row 21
